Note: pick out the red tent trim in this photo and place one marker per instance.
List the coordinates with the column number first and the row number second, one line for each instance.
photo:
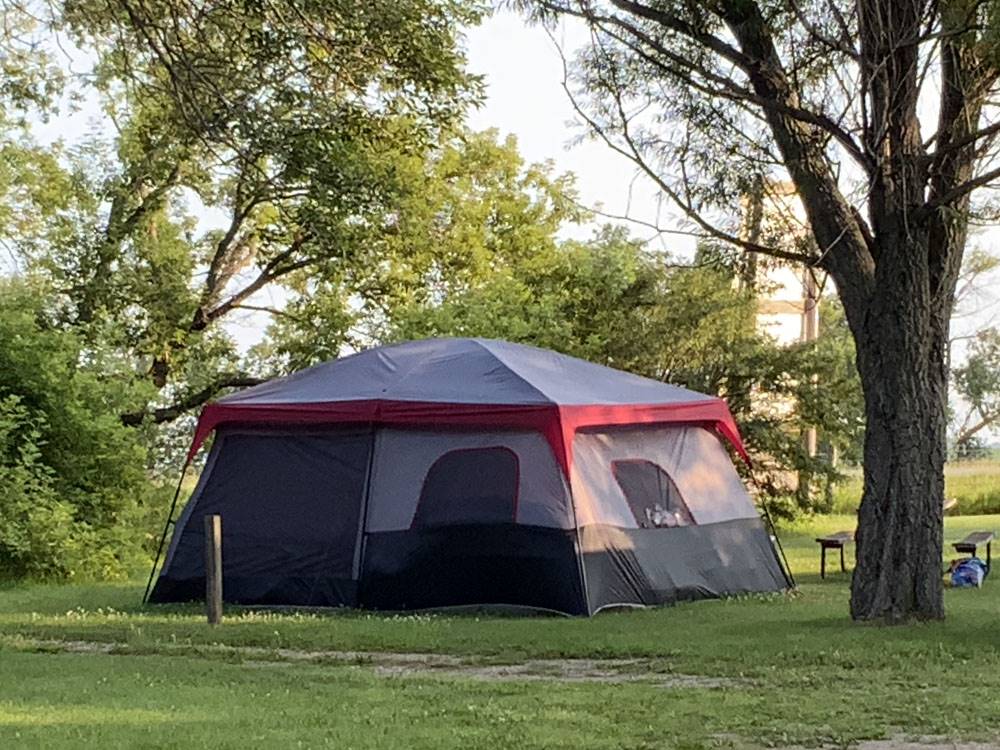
column 557, row 423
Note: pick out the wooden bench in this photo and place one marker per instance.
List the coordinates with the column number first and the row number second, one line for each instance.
column 972, row 541
column 833, row 541
column 838, row 540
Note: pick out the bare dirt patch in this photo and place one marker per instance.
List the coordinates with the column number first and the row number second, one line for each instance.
column 557, row 670
column 903, row 742
column 397, row 664
column 925, row 743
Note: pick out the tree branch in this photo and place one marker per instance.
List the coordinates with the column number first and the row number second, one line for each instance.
column 275, row 269
column 728, row 89
column 963, row 189
column 834, row 221
column 988, row 419
column 189, row 402
column 633, row 155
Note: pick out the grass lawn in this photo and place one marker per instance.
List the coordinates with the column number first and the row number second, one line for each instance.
column 975, row 484
column 785, row 670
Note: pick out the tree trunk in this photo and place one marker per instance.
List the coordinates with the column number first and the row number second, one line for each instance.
column 901, row 347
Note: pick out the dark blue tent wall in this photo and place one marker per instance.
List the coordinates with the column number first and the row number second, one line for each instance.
column 291, row 504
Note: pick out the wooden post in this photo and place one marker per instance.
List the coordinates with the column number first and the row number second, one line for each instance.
column 213, row 569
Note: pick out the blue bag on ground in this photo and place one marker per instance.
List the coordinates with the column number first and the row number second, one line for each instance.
column 970, row 572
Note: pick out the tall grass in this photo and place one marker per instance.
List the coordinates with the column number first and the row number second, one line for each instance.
column 975, row 484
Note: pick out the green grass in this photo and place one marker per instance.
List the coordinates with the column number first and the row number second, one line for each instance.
column 975, row 484
column 804, row 673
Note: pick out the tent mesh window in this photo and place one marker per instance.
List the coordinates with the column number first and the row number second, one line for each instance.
column 469, row 486
column 652, row 495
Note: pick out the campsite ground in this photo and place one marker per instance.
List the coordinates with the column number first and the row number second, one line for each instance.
column 86, row 666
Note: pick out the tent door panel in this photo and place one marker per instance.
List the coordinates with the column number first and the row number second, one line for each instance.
column 291, row 509
column 468, row 565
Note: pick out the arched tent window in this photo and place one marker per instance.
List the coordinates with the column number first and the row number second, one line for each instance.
column 652, row 495
column 469, row 486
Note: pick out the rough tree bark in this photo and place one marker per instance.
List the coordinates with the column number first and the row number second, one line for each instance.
column 901, row 345
column 896, row 278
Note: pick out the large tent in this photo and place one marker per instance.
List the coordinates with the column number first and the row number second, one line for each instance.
column 450, row 472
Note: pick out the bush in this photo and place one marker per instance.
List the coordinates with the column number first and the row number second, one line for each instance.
column 72, row 479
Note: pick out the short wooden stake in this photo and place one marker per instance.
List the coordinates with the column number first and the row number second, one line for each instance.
column 213, row 569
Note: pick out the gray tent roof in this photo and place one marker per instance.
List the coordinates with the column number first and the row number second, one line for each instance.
column 463, row 370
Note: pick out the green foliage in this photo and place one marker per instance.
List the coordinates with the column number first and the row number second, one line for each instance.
column 463, row 211
column 810, row 385
column 293, row 125
column 31, row 81
column 590, row 300
column 73, row 478
column 978, row 382
column 33, row 523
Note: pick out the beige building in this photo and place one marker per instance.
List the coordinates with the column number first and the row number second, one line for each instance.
column 788, row 293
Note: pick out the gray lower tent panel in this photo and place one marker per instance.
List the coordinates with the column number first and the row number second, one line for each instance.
column 665, row 565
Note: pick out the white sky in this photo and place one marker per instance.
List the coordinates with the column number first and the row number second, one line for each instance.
column 525, row 97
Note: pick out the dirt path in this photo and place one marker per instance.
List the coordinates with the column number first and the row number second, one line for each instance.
column 397, row 664
column 403, row 665
column 901, row 742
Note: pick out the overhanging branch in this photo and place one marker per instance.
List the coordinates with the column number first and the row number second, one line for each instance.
column 632, row 153
column 963, row 189
column 721, row 86
column 189, row 402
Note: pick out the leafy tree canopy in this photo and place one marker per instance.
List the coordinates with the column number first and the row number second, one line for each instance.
column 290, row 123
column 978, row 383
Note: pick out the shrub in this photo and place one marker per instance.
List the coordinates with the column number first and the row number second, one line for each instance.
column 72, row 478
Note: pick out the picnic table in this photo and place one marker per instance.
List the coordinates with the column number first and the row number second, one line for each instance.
column 833, row 541
column 972, row 541
column 842, row 538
